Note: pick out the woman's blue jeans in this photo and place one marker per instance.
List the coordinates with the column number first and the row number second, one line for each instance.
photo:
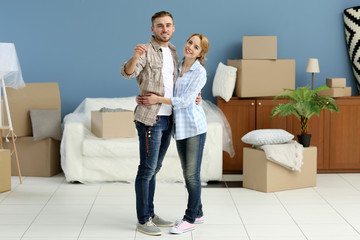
column 190, row 152
column 153, row 144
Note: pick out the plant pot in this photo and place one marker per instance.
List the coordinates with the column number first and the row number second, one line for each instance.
column 304, row 139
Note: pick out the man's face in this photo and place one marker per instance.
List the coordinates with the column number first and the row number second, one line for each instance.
column 163, row 28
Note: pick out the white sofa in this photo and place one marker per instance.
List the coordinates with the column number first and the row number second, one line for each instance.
column 86, row 158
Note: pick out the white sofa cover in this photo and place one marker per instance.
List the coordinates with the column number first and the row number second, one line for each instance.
column 86, row 158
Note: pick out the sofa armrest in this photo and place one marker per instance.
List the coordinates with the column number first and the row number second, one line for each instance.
column 71, row 145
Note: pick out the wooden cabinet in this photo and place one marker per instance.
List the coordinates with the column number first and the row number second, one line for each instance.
column 337, row 136
column 241, row 117
column 343, row 138
column 245, row 115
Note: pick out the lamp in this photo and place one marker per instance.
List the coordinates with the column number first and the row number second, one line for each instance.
column 313, row 67
column 10, row 76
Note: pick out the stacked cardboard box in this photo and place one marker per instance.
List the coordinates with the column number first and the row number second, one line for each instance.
column 5, row 170
column 36, row 158
column 260, row 73
column 259, row 47
column 337, row 88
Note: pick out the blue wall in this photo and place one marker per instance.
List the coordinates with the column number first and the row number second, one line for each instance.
column 82, row 43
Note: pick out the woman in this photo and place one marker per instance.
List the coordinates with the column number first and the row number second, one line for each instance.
column 190, row 125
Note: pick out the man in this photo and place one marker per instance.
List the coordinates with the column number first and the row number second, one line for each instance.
column 154, row 65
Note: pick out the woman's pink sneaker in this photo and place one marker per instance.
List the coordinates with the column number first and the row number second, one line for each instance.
column 182, row 226
column 199, row 220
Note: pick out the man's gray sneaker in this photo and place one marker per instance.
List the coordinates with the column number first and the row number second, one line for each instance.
column 161, row 222
column 149, row 228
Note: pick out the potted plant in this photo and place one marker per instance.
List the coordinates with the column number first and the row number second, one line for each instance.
column 304, row 103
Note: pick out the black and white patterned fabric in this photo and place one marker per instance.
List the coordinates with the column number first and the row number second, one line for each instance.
column 352, row 36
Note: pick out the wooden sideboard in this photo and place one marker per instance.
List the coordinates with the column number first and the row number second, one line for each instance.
column 337, row 136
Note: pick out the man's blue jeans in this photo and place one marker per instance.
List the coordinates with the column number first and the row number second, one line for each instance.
column 190, row 152
column 153, row 143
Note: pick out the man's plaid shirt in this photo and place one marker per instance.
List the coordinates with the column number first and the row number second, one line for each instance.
column 148, row 73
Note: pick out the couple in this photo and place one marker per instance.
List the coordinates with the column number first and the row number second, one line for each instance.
column 168, row 91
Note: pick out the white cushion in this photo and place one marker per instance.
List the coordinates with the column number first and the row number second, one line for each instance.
column 224, row 81
column 267, row 137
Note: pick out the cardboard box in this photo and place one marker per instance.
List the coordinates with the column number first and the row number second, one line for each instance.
column 336, row 82
column 336, row 92
column 263, row 175
column 32, row 96
column 260, row 78
column 5, row 170
column 36, row 158
column 113, row 124
column 259, row 47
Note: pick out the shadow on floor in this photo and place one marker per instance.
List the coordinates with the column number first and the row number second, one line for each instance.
column 223, row 184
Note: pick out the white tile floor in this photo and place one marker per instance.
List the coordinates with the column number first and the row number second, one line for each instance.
column 51, row 209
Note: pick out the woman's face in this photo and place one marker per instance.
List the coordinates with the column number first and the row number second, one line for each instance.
column 192, row 48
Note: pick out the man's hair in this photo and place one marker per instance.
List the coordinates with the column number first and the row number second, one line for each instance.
column 161, row 14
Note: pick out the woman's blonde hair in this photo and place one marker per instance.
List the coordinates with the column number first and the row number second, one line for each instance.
column 204, row 46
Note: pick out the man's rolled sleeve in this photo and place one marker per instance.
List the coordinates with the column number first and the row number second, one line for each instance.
column 138, row 68
column 124, row 74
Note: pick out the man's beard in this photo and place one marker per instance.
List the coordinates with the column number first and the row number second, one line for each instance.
column 161, row 40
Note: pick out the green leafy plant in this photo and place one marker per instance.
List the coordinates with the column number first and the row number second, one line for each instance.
column 304, row 103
